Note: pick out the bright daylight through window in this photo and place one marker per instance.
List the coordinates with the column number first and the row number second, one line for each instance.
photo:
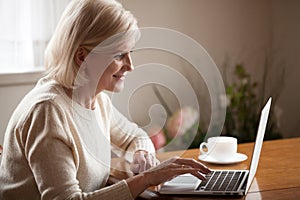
column 27, row 26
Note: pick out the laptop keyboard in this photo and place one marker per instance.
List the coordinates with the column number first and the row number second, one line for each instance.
column 222, row 181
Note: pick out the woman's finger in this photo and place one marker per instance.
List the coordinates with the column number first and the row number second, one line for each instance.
column 142, row 162
column 135, row 168
column 166, row 171
column 193, row 163
column 183, row 169
column 148, row 160
column 151, row 160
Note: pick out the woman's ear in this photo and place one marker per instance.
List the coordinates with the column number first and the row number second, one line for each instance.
column 80, row 55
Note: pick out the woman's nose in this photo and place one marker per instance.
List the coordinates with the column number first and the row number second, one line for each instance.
column 128, row 62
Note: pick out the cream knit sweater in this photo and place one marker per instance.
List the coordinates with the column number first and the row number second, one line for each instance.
column 56, row 149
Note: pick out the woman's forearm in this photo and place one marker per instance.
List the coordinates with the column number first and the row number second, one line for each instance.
column 137, row 184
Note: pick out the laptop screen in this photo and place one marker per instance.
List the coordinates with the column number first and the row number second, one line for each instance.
column 258, row 143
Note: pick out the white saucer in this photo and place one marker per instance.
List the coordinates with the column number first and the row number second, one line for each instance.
column 239, row 157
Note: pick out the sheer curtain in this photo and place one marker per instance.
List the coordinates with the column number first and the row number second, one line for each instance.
column 27, row 26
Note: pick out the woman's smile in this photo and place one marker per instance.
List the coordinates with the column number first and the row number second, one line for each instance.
column 119, row 76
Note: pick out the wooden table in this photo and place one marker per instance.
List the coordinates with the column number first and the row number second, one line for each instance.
column 277, row 177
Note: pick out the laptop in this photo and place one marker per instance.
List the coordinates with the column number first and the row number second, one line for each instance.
column 222, row 182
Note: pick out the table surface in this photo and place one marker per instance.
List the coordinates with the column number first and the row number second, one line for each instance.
column 277, row 176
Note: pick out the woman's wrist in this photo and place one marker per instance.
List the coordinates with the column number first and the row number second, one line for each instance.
column 137, row 184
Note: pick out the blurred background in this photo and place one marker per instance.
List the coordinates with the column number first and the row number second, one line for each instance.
column 254, row 43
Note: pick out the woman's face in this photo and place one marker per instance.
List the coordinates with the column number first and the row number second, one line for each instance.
column 114, row 75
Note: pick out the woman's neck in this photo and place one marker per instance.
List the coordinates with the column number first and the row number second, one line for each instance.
column 82, row 96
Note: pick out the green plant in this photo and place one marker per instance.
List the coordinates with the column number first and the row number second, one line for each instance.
column 243, row 107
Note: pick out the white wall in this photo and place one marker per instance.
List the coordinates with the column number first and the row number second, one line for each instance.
column 226, row 29
column 286, row 52
column 234, row 31
column 239, row 29
column 13, row 87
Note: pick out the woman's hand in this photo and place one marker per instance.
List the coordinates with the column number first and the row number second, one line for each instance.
column 174, row 167
column 142, row 161
column 164, row 172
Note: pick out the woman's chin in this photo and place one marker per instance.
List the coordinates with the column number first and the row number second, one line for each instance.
column 117, row 89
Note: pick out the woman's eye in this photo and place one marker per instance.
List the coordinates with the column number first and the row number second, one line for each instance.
column 121, row 55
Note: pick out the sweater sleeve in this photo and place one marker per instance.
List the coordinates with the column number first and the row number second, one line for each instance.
column 53, row 159
column 127, row 137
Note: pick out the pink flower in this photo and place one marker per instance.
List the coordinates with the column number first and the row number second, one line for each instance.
column 157, row 137
column 181, row 121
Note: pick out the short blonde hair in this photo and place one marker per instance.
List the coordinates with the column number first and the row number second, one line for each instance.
column 84, row 23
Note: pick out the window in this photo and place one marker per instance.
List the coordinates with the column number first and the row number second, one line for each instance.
column 27, row 26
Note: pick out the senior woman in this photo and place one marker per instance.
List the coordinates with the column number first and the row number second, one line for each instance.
column 58, row 141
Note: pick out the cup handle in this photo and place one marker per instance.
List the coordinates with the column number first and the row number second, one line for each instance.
column 203, row 145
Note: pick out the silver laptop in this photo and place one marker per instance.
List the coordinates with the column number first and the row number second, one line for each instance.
column 222, row 182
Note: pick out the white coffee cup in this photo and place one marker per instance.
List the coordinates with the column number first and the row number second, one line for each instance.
column 221, row 148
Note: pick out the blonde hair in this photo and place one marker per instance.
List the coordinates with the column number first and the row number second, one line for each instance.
column 84, row 23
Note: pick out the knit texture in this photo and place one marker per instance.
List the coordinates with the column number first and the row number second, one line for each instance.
column 56, row 149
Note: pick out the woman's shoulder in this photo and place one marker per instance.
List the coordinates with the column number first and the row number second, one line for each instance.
column 104, row 99
column 43, row 95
